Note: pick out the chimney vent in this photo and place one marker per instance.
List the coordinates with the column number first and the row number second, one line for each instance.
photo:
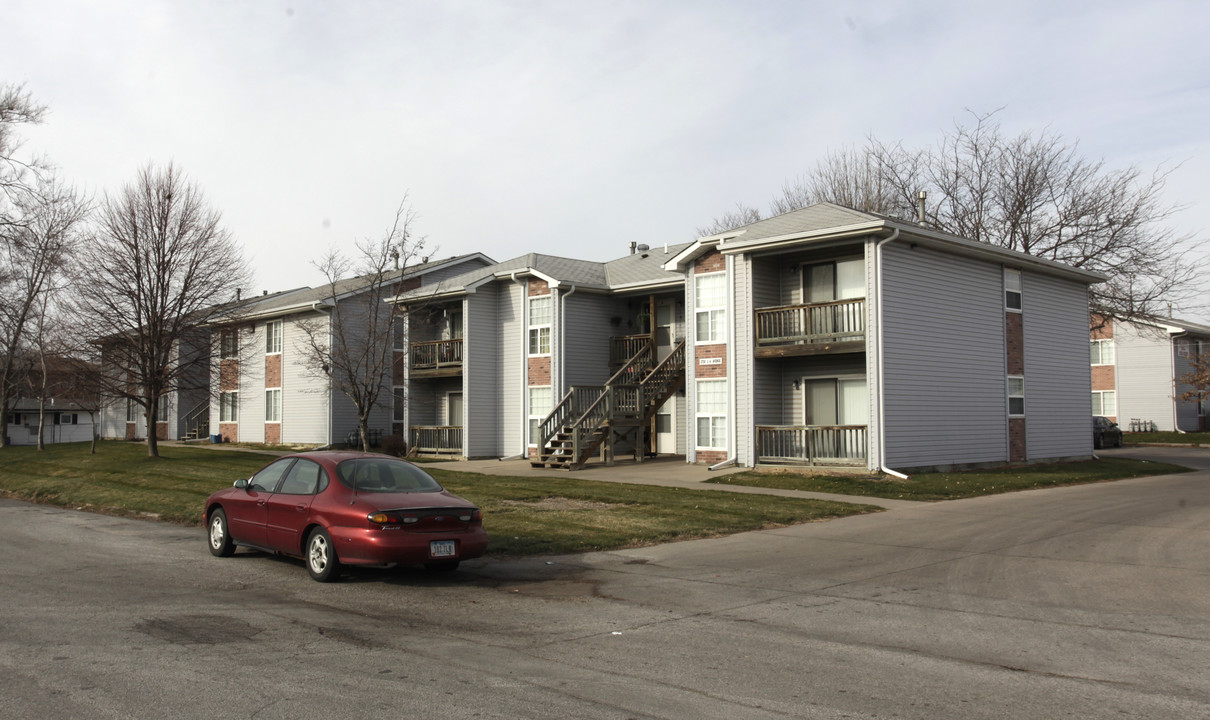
column 920, row 198
column 633, row 245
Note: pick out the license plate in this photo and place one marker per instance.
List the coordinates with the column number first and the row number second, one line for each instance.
column 441, row 548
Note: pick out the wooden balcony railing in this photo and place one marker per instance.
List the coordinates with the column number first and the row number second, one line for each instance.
column 831, row 322
column 435, row 439
column 811, row 444
column 436, row 354
column 624, row 347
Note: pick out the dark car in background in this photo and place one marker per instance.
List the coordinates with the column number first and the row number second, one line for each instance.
column 1105, row 433
column 341, row 508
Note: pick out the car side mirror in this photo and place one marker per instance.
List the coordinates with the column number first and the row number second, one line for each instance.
column 242, row 484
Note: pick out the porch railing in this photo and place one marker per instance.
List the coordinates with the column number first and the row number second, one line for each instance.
column 811, row 444
column 436, row 354
column 440, row 439
column 817, row 322
column 623, row 347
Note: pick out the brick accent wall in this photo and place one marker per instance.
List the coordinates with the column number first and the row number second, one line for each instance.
column 539, row 371
column 1100, row 328
column 712, row 261
column 161, row 431
column 1016, row 439
column 228, row 375
column 1014, row 341
column 538, row 287
column 273, row 371
column 229, row 431
column 710, row 371
column 131, row 431
column 272, row 433
column 711, row 457
column 1103, row 377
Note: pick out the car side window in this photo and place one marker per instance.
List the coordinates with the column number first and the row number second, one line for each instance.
column 303, row 478
column 266, row 480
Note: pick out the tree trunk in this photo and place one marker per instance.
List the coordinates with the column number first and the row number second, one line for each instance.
column 153, row 442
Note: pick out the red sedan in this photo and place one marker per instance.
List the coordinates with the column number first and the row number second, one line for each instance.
column 345, row 508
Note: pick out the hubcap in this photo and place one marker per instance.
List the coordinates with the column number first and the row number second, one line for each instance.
column 319, row 553
column 216, row 533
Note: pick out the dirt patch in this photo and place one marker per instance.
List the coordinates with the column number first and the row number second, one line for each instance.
column 560, row 503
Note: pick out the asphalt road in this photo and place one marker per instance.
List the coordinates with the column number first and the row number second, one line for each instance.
column 1081, row 602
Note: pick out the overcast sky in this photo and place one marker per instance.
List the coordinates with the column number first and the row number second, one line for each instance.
column 572, row 128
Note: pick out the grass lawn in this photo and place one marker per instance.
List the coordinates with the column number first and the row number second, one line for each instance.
column 953, row 485
column 1168, row 438
column 523, row 516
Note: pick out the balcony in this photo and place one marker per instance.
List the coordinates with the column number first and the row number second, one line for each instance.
column 811, row 445
column 814, row 329
column 439, row 358
column 435, row 439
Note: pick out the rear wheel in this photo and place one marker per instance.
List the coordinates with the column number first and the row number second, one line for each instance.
column 220, row 539
column 442, row 566
column 1118, row 442
column 322, row 563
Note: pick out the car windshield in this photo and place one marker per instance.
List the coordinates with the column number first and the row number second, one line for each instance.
column 384, row 475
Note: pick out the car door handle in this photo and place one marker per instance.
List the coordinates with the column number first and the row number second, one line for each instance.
column 301, row 507
column 260, row 503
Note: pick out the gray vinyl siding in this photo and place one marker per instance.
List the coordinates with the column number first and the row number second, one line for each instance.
column 305, row 396
column 944, row 359
column 586, row 331
column 1144, row 375
column 481, row 370
column 1057, row 382
column 512, row 381
column 252, row 387
column 741, row 375
column 427, row 400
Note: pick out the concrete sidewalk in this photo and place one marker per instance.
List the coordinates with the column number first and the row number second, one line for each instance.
column 664, row 472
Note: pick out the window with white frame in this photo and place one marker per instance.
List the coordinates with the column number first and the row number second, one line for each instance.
column 1184, row 347
column 398, row 332
column 1012, row 289
column 1101, row 352
column 132, row 412
column 540, row 316
column 66, row 419
column 273, row 405
column 161, row 409
column 1104, row 402
column 541, row 402
column 710, row 408
column 228, row 407
column 273, row 334
column 1016, row 396
column 710, row 307
column 229, row 343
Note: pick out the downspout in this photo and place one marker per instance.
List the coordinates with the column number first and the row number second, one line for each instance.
column 880, row 383
column 731, row 369
column 562, row 385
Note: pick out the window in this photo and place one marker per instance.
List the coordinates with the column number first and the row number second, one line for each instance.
column 266, row 480
column 1104, row 402
column 710, row 303
column 840, row 280
column 1101, row 352
column 1012, row 289
column 273, row 405
column 66, row 419
column 540, row 405
column 399, row 404
column 836, row 402
column 398, row 332
column 303, row 478
column 711, row 409
column 453, row 323
column 228, row 407
column 229, row 343
column 132, row 413
column 273, row 337
column 1016, row 396
column 161, row 409
column 539, row 325
column 1184, row 347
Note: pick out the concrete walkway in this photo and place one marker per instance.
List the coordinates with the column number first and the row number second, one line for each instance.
column 664, row 472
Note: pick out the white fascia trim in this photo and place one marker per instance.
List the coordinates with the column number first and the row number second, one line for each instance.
column 678, row 261
column 283, row 311
column 661, row 285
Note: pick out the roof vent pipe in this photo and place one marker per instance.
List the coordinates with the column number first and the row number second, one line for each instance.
column 633, row 246
column 920, row 198
column 237, row 294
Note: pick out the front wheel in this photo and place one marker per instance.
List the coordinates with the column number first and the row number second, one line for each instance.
column 220, row 540
column 322, row 563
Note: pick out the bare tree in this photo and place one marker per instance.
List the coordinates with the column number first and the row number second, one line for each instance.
column 155, row 276
column 1034, row 193
column 17, row 175
column 353, row 347
column 741, row 215
column 34, row 251
column 1198, row 379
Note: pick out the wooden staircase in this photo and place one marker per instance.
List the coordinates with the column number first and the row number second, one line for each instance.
column 588, row 417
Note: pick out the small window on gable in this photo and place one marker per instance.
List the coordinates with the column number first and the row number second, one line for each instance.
column 1012, row 289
